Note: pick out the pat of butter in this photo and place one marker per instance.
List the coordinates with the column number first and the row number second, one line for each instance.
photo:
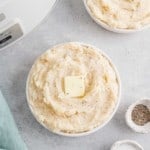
column 74, row 86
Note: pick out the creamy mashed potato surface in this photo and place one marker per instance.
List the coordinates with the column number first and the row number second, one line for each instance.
column 123, row 14
column 56, row 110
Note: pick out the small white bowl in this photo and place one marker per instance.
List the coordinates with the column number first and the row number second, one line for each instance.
column 129, row 121
column 126, row 143
column 95, row 129
column 109, row 28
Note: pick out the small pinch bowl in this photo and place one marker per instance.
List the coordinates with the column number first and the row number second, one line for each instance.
column 137, row 128
column 129, row 142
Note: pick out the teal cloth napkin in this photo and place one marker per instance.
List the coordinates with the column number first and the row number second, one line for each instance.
column 9, row 135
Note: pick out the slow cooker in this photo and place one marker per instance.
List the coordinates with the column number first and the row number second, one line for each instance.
column 19, row 17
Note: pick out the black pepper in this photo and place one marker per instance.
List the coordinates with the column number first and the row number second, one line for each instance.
column 141, row 114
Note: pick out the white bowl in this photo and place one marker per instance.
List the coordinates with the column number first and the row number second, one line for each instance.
column 129, row 121
column 116, row 145
column 109, row 28
column 95, row 129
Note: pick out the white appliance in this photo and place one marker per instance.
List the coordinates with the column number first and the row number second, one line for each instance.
column 18, row 17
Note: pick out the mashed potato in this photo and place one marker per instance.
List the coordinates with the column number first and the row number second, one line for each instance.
column 122, row 14
column 56, row 110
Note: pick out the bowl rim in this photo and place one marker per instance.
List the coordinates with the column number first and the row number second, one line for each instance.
column 130, row 123
column 94, row 129
column 117, row 143
column 109, row 28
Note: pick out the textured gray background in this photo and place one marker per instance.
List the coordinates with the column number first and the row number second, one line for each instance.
column 69, row 21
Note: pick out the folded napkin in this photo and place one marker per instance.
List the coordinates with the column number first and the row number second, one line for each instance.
column 9, row 135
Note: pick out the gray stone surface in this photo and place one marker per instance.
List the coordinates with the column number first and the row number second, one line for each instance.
column 69, row 21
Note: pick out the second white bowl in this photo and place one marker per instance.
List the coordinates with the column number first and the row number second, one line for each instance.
column 109, row 28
